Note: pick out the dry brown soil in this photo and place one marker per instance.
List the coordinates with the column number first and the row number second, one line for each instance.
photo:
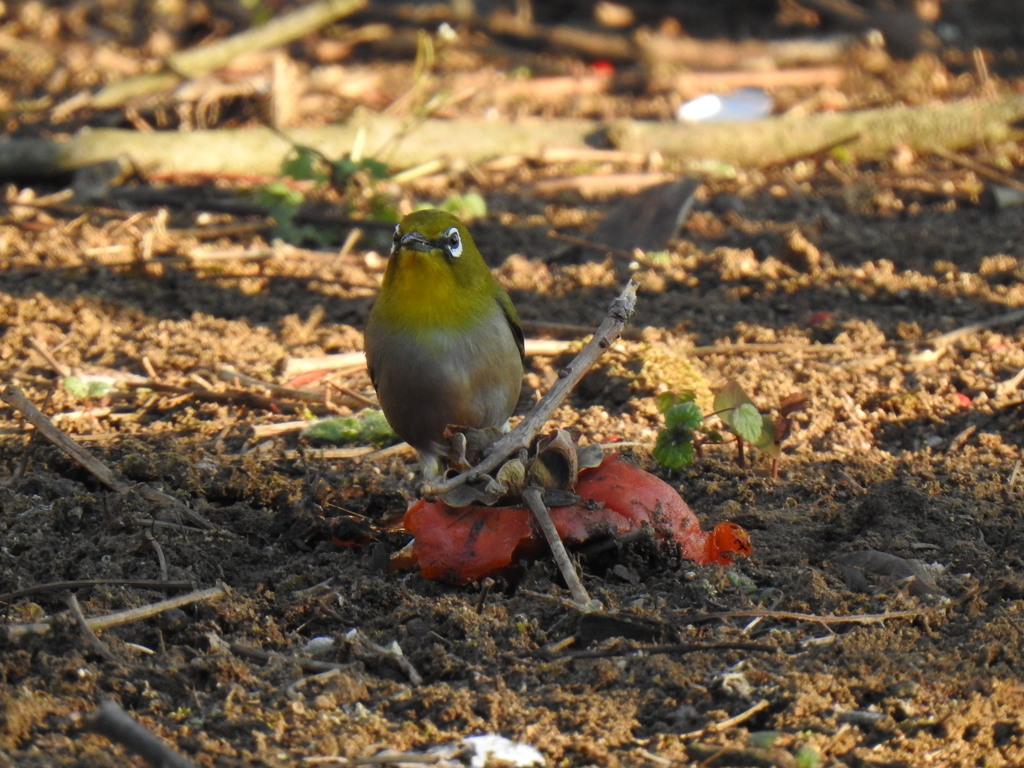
column 819, row 278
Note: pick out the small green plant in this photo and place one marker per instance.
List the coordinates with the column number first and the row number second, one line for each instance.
column 741, row 417
column 680, row 441
column 355, row 178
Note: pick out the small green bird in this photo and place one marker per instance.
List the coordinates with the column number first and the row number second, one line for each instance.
column 443, row 340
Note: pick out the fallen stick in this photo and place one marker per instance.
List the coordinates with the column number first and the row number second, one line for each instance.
column 239, row 397
column 534, row 498
column 130, row 616
column 865, row 135
column 52, row 586
column 120, row 727
column 14, row 397
column 314, row 666
column 90, row 637
column 198, row 61
column 594, row 184
column 229, row 374
column 730, row 722
column 938, row 344
column 853, row 618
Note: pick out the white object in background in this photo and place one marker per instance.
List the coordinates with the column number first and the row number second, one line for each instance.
column 741, row 104
column 489, row 745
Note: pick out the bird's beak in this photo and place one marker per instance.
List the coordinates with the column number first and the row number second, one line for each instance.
column 415, row 241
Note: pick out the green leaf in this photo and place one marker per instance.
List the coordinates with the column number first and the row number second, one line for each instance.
column 667, row 399
column 740, row 415
column 674, row 450
column 467, row 207
column 367, row 426
column 746, row 421
column 741, row 581
column 86, row 387
column 377, row 169
column 730, row 396
column 303, row 164
column 807, row 757
column 684, row 416
column 76, row 387
column 763, row 739
column 342, row 169
column 279, row 193
column 766, row 440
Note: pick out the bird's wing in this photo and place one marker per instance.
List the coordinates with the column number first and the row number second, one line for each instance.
column 509, row 310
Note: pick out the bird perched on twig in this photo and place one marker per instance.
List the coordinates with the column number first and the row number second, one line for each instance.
column 443, row 340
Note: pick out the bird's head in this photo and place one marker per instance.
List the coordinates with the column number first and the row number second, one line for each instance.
column 435, row 269
column 436, row 240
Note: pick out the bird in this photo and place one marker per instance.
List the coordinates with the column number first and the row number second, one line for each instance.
column 443, row 341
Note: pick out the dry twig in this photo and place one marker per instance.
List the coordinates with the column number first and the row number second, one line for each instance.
column 314, row 666
column 722, row 725
column 17, row 399
column 97, row 623
column 854, row 618
column 90, row 637
column 939, row 343
column 866, row 135
column 203, row 59
column 534, row 498
column 120, row 727
column 168, row 586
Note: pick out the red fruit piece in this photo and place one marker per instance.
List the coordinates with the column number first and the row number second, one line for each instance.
column 462, row 545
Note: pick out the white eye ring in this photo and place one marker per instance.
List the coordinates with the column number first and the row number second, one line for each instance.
column 453, row 243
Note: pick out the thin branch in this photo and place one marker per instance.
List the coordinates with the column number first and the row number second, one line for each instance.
column 363, row 647
column 386, row 757
column 722, row 725
column 14, row 397
column 520, row 438
column 203, row 59
column 233, row 397
column 120, row 727
column 90, row 637
column 939, row 343
column 296, row 366
column 1010, row 384
column 985, row 171
column 854, row 618
column 47, row 355
column 52, row 586
column 749, row 348
column 231, row 375
column 314, row 666
column 17, row 399
column 352, row 362
column 533, row 496
column 673, row 648
column 98, row 623
column 159, row 552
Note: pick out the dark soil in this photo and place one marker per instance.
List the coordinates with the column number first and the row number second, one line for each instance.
column 820, row 278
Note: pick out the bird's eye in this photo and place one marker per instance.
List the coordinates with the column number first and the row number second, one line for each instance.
column 453, row 243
